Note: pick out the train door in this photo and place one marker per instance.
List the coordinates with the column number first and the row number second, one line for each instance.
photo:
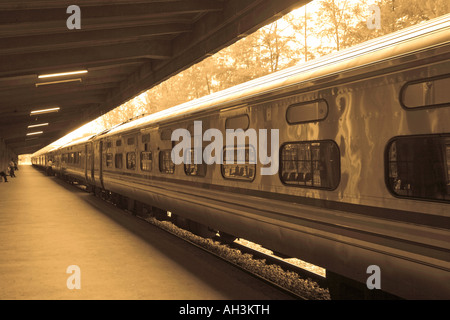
column 97, row 155
column 101, row 163
column 91, row 160
column 89, row 173
column 86, row 162
column 98, row 163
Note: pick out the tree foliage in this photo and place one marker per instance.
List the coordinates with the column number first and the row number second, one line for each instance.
column 323, row 26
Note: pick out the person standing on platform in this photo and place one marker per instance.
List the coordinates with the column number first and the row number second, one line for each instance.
column 3, row 174
column 11, row 169
column 49, row 167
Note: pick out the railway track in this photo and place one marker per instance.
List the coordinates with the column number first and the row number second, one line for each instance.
column 285, row 265
column 284, row 276
column 289, row 278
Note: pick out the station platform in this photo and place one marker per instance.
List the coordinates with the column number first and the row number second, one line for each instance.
column 47, row 225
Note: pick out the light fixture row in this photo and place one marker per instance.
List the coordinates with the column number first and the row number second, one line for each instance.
column 53, row 109
column 35, row 133
column 62, row 74
column 38, row 125
column 42, row 111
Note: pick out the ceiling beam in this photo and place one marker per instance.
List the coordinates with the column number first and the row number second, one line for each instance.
column 24, row 106
column 62, row 60
column 57, row 11
column 208, row 36
column 83, row 39
column 48, row 91
column 47, row 4
column 127, row 46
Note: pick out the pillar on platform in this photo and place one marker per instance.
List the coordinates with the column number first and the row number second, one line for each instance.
column 6, row 154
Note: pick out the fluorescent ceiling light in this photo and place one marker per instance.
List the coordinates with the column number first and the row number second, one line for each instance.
column 44, row 111
column 62, row 74
column 38, row 125
column 58, row 81
column 34, row 133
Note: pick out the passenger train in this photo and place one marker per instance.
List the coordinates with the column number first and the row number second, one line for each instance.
column 364, row 164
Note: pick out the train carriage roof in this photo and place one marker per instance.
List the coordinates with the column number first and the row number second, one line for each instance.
column 373, row 51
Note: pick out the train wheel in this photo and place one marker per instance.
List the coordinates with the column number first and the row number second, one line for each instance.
column 131, row 205
column 180, row 222
column 226, row 237
column 201, row 230
column 193, row 226
column 342, row 288
column 159, row 214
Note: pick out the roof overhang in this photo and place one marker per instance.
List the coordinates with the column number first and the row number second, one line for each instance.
column 127, row 47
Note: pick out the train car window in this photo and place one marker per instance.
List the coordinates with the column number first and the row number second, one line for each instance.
column 71, row 157
column 80, row 161
column 109, row 144
column 166, row 134
column 193, row 169
column 146, row 161
column 131, row 160
column 238, row 122
column 145, row 138
column 76, row 157
column 237, row 170
column 118, row 143
column 165, row 162
column 307, row 111
column 109, row 160
column 130, row 141
column 431, row 92
column 419, row 167
column 312, row 164
column 118, row 160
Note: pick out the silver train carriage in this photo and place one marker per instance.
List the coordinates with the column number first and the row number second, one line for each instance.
column 363, row 162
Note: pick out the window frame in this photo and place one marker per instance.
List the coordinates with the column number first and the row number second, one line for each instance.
column 304, row 103
column 203, row 164
column 111, row 161
column 131, row 141
column 222, row 171
column 159, row 161
column 127, row 160
column 421, row 80
column 280, row 170
column 121, row 160
column 230, row 119
column 141, row 161
column 387, row 162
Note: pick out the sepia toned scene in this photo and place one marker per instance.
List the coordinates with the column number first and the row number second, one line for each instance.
column 227, row 157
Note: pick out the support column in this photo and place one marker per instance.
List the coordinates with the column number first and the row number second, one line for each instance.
column 5, row 156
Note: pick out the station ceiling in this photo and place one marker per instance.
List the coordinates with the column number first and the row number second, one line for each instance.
column 125, row 46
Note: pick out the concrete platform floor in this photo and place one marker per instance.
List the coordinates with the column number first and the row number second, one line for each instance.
column 47, row 225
